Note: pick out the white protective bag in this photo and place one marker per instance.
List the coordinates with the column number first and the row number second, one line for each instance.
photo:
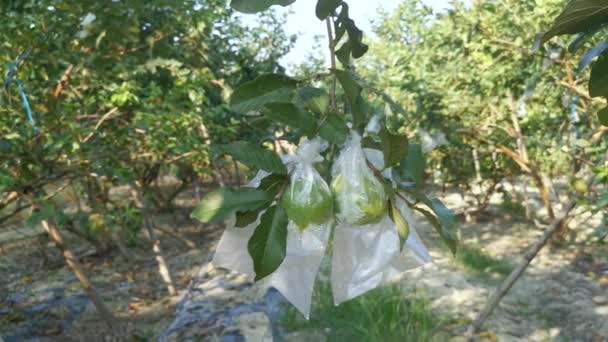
column 368, row 255
column 295, row 277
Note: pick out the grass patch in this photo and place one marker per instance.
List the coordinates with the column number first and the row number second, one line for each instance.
column 476, row 260
column 385, row 314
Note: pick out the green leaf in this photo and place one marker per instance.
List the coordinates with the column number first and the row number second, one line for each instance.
column 291, row 115
column 217, row 206
column 448, row 222
column 355, row 38
column 343, row 53
column 315, row 99
column 245, row 218
column 443, row 220
column 394, row 147
column 340, row 29
column 394, row 106
column 325, row 8
column 444, row 223
column 403, row 227
column 602, row 115
column 253, row 95
column 334, row 129
column 352, row 89
column 598, row 81
column 272, row 185
column 268, row 243
column 255, row 6
column 579, row 16
column 370, row 142
column 254, row 156
column 412, row 168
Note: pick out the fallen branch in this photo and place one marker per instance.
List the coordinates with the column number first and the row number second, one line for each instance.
column 506, row 285
column 532, row 252
column 163, row 269
column 73, row 263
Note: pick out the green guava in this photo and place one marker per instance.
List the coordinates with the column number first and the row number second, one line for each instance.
column 316, row 208
column 367, row 198
column 579, row 185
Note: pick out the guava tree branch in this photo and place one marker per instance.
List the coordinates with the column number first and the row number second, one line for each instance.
column 526, row 166
column 332, row 58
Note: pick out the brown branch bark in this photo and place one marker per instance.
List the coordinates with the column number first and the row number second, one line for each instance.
column 525, row 166
column 63, row 81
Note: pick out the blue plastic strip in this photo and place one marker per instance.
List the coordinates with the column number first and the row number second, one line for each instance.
column 26, row 103
column 13, row 68
column 12, row 73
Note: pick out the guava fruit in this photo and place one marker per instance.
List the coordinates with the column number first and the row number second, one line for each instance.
column 579, row 186
column 367, row 198
column 306, row 208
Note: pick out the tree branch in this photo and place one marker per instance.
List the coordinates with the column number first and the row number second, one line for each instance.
column 332, row 58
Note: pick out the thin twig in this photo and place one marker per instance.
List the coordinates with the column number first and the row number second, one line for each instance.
column 187, row 242
column 332, row 58
column 63, row 81
column 105, row 117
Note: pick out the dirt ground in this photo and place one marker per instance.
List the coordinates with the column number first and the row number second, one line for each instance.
column 562, row 297
column 41, row 299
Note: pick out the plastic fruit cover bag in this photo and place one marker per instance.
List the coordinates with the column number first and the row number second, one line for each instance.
column 308, row 200
column 306, row 239
column 360, row 197
column 366, row 246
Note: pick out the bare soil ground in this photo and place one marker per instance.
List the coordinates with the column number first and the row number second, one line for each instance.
column 40, row 299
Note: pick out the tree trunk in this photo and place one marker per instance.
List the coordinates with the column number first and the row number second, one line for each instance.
column 217, row 175
column 74, row 265
column 523, row 154
column 478, row 177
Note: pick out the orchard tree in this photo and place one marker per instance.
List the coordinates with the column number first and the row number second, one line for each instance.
column 106, row 94
column 473, row 74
